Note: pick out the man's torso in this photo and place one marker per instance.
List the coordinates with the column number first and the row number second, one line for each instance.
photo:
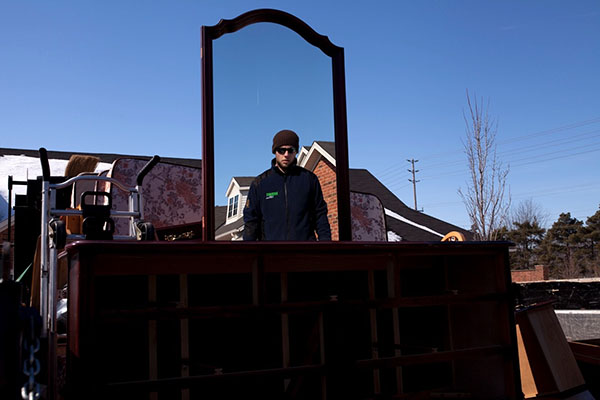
column 286, row 204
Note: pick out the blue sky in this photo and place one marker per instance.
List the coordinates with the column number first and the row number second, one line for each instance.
column 124, row 77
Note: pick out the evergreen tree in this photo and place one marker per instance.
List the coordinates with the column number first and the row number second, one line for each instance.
column 527, row 236
column 526, row 232
column 561, row 248
column 590, row 234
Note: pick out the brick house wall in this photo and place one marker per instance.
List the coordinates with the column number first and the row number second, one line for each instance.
column 325, row 171
column 4, row 233
column 538, row 273
column 4, row 238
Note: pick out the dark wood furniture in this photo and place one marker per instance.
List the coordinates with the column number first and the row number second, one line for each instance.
column 291, row 320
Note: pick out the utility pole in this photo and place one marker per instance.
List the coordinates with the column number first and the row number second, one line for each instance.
column 413, row 180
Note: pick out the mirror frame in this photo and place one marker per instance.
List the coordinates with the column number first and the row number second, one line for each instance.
column 211, row 33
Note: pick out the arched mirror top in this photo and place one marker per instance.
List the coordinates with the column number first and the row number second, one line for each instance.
column 338, row 116
column 277, row 17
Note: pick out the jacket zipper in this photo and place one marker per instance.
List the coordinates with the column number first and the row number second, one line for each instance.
column 287, row 217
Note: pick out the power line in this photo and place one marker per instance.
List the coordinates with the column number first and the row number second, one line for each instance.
column 556, row 143
column 558, row 157
column 550, row 191
column 524, row 149
column 393, row 168
column 535, row 159
column 547, row 192
column 553, row 130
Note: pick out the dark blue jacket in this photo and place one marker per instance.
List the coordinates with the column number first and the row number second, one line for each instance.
column 286, row 206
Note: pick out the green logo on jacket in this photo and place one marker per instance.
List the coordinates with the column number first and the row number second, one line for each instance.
column 270, row 195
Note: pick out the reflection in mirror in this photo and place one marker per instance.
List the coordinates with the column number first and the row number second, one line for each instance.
column 268, row 78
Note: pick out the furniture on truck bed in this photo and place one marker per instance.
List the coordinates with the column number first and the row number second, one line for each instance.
column 290, row 320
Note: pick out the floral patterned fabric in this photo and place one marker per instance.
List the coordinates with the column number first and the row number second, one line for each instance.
column 171, row 194
column 368, row 217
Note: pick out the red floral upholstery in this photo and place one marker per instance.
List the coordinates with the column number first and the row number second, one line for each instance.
column 368, row 218
column 172, row 194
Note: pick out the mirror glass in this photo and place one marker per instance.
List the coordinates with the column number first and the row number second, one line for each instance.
column 266, row 78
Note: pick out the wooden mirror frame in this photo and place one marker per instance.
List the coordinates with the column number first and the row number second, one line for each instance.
column 210, row 33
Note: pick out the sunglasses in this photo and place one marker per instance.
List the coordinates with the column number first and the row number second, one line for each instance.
column 283, row 150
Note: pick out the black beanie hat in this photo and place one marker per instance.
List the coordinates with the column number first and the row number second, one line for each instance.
column 285, row 137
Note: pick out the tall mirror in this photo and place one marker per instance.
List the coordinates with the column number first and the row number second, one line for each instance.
column 273, row 74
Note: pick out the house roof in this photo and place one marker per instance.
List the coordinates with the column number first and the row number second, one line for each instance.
column 309, row 156
column 238, row 223
column 3, row 225
column 220, row 215
column 327, row 146
column 58, row 159
column 104, row 157
column 244, row 180
column 410, row 226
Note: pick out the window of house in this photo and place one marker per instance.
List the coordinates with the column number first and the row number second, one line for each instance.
column 233, row 206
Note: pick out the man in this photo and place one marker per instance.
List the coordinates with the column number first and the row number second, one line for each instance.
column 286, row 202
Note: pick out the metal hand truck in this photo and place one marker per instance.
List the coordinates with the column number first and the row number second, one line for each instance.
column 97, row 225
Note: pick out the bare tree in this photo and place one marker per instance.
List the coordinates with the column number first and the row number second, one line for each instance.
column 526, row 230
column 484, row 197
column 528, row 211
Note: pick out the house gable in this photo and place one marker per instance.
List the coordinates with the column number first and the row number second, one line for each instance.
column 237, row 193
column 310, row 157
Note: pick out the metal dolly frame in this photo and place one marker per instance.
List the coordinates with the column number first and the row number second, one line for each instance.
column 52, row 235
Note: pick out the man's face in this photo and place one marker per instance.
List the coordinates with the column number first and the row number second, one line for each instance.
column 284, row 156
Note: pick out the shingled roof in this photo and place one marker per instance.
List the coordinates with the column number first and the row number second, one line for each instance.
column 412, row 225
column 220, row 215
column 104, row 157
column 244, row 180
column 63, row 157
column 224, row 228
column 327, row 146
